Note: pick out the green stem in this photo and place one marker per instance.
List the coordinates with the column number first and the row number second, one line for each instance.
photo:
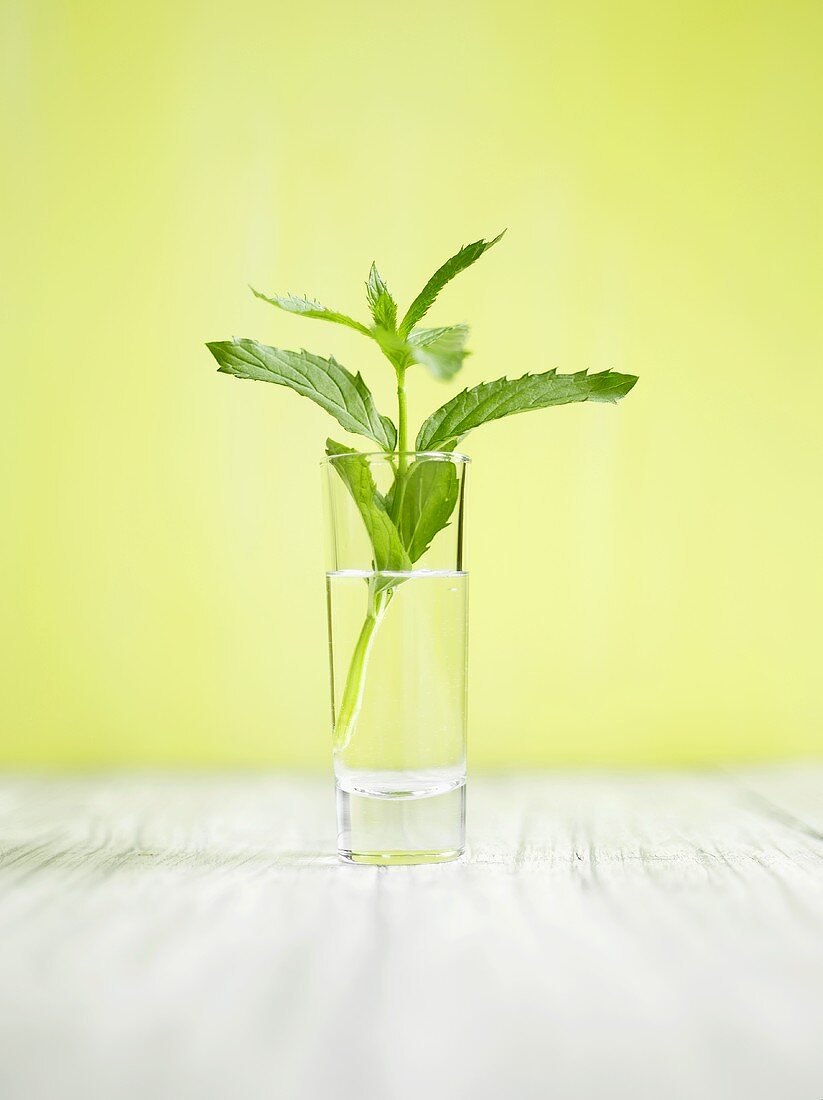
column 402, row 420
column 402, row 446
column 352, row 699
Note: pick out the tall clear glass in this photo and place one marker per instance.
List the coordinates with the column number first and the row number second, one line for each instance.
column 397, row 614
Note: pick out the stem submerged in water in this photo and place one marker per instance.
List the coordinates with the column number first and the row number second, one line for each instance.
column 352, row 699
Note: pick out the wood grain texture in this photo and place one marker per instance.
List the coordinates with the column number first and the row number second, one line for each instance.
column 638, row 936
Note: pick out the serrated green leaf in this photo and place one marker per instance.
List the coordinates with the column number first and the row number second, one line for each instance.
column 306, row 307
column 467, row 255
column 441, row 350
column 429, row 492
column 383, row 307
column 387, row 546
column 504, row 397
column 324, row 381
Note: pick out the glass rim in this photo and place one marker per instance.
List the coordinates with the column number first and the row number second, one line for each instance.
column 456, row 457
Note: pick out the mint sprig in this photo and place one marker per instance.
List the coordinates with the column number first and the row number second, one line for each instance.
column 402, row 524
column 441, row 350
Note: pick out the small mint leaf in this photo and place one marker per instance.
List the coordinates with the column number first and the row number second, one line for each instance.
column 383, row 307
column 441, row 350
column 467, row 255
column 306, row 307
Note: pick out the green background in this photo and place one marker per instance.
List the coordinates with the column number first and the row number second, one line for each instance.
column 646, row 579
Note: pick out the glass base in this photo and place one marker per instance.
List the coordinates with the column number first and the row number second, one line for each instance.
column 399, row 859
column 397, row 829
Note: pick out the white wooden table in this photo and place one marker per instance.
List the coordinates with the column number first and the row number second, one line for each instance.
column 640, row 936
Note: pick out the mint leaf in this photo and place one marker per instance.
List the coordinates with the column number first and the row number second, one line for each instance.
column 291, row 303
column 441, row 350
column 383, row 307
column 459, row 262
column 492, row 400
column 389, row 553
column 346, row 396
column 428, row 495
